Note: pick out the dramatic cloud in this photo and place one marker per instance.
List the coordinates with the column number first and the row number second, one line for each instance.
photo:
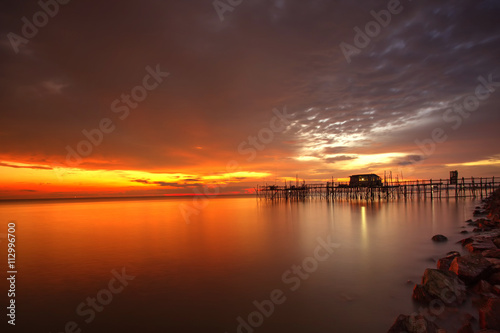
column 380, row 111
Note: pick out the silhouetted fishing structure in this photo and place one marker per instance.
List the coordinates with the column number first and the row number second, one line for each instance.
column 371, row 187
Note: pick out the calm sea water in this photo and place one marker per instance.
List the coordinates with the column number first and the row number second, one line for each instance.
column 238, row 252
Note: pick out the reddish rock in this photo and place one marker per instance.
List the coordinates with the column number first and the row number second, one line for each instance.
column 496, row 241
column 466, row 328
column 470, row 268
column 439, row 238
column 485, row 290
column 444, row 263
column 489, row 314
column 413, row 324
column 495, row 264
column 480, row 244
column 494, row 253
column 442, row 285
column 494, row 279
column 466, row 241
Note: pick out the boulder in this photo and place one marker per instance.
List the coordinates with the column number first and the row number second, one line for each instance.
column 495, row 264
column 480, row 244
column 493, row 253
column 484, row 289
column 413, row 324
column 442, row 285
column 444, row 263
column 494, row 279
column 466, row 241
column 466, row 328
column 470, row 268
column 481, row 229
column 479, row 212
column 489, row 314
column 439, row 238
column 496, row 241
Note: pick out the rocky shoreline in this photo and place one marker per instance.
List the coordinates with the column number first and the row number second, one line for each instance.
column 464, row 290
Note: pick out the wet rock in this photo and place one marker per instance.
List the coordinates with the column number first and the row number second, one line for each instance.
column 444, row 263
column 484, row 289
column 479, row 212
column 466, row 328
column 493, row 253
column 489, row 314
column 466, row 241
column 441, row 285
column 413, row 324
column 481, row 229
column 470, row 268
column 494, row 279
column 480, row 244
column 439, row 238
column 496, row 241
column 495, row 264
column 485, row 223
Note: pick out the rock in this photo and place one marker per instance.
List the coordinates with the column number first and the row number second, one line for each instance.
column 493, row 253
column 489, row 314
column 464, row 232
column 496, row 241
column 413, row 324
column 484, row 289
column 494, row 279
column 466, row 328
column 481, row 229
column 442, row 285
column 480, row 244
column 466, row 241
column 439, row 238
column 495, row 264
column 470, row 268
column 478, row 212
column 444, row 263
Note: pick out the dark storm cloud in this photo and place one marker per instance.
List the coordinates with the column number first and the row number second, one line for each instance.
column 226, row 77
column 339, row 158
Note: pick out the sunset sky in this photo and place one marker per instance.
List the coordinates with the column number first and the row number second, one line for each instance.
column 178, row 94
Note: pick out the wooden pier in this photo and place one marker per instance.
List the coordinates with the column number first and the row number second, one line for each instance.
column 419, row 189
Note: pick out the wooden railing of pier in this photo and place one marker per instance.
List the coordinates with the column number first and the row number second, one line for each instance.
column 422, row 189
